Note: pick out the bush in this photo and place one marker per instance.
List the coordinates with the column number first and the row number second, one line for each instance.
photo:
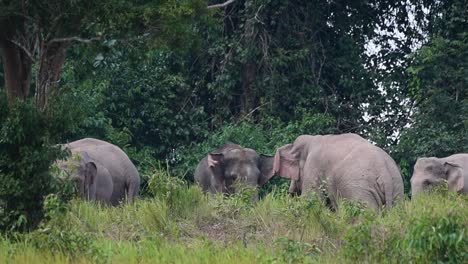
column 174, row 192
column 26, row 152
column 429, row 229
column 55, row 240
column 295, row 251
column 435, row 236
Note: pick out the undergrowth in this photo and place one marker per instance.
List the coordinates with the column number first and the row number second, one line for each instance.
column 180, row 224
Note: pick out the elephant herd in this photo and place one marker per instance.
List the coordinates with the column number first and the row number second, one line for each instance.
column 333, row 166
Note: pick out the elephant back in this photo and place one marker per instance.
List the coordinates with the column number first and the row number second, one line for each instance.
column 124, row 174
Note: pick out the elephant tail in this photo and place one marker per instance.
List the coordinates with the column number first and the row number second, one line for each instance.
column 393, row 186
column 132, row 185
column 388, row 188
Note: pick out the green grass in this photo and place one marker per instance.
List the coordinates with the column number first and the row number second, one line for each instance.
column 180, row 224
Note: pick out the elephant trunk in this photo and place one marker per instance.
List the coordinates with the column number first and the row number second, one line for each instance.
column 415, row 190
column 294, row 189
column 80, row 187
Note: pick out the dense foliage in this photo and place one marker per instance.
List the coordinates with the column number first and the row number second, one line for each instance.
column 438, row 91
column 26, row 154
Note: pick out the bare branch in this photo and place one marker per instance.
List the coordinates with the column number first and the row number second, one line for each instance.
column 251, row 112
column 78, row 39
column 221, row 5
column 26, row 51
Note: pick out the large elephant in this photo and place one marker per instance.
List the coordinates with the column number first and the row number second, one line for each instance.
column 124, row 175
column 217, row 171
column 92, row 179
column 429, row 172
column 340, row 166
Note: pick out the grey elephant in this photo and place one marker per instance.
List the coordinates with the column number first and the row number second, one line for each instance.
column 429, row 172
column 92, row 179
column 217, row 171
column 123, row 173
column 340, row 166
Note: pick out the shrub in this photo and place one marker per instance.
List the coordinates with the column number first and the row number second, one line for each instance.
column 438, row 238
column 439, row 235
column 162, row 185
column 292, row 251
column 428, row 229
column 359, row 242
column 26, row 153
column 55, row 240
column 174, row 192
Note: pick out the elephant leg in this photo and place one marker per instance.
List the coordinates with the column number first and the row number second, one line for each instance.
column 218, row 186
column 92, row 192
column 359, row 190
column 322, row 187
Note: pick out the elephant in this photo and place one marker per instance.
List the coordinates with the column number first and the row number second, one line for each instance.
column 92, row 179
column 124, row 175
column 429, row 172
column 217, row 171
column 340, row 166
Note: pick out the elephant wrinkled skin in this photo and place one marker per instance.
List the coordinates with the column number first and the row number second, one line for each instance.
column 429, row 172
column 340, row 166
column 217, row 171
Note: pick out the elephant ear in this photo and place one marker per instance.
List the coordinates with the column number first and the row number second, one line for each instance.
column 215, row 163
column 286, row 162
column 90, row 169
column 90, row 172
column 454, row 176
column 266, row 168
column 215, row 160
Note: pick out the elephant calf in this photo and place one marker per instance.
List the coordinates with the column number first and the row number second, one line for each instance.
column 429, row 172
column 340, row 166
column 105, row 172
column 221, row 168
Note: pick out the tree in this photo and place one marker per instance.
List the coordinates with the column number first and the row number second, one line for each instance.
column 36, row 35
column 275, row 57
column 437, row 86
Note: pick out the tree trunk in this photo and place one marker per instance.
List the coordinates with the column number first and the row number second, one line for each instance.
column 17, row 71
column 51, row 60
column 249, row 95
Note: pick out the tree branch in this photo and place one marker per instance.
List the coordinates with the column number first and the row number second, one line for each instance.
column 78, row 39
column 26, row 51
column 221, row 5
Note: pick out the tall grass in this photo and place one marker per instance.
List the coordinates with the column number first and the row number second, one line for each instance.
column 180, row 224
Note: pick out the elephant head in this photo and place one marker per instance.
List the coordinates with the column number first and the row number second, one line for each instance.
column 82, row 171
column 287, row 165
column 234, row 163
column 429, row 172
